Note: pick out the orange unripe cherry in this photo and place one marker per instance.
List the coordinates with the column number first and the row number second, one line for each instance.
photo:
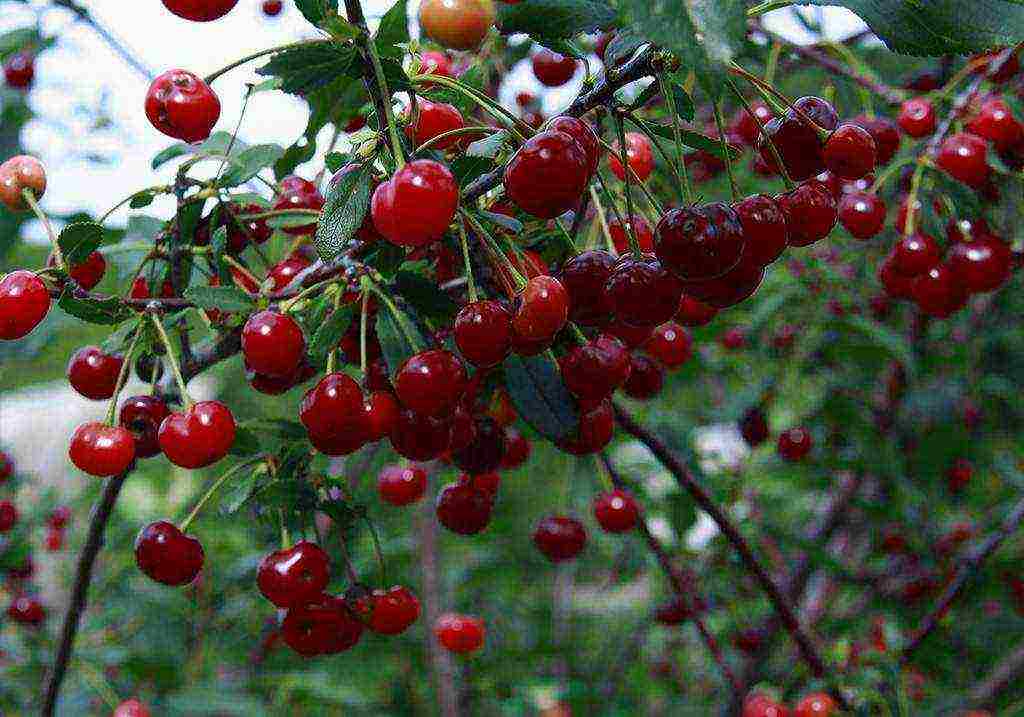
column 457, row 24
column 19, row 173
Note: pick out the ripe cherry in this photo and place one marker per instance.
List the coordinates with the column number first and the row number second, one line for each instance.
column 517, row 449
column 965, row 157
column 483, row 452
column 420, row 437
column 131, row 708
column 646, row 378
column 761, row 705
column 595, row 430
column 433, row 119
column 295, row 575
column 915, row 254
column 242, row 229
column 460, row 633
column 464, row 508
column 27, row 610
column 754, row 427
column 433, row 62
column 694, row 312
column 733, row 287
column 543, row 310
column 333, row 406
column 816, row 704
column 616, row 512
column 19, row 70
column 142, row 416
column 674, row 612
column 764, row 229
column 182, row 105
column 796, row 141
column 699, row 242
column 548, row 174
column 885, row 133
column 417, row 204
column 917, row 117
column 272, row 8
column 583, row 133
column 862, row 214
column 101, row 450
column 24, row 303
column 981, row 265
column 632, row 336
column 996, row 123
column 167, row 555
column 17, row 174
column 938, row 292
column 795, row 444
column 483, row 333
column 746, row 126
column 284, row 272
column 639, row 155
column 642, row 291
column 619, row 232
column 810, row 211
column 584, row 277
column 323, row 626
column 198, row 436
column 88, row 273
column 850, row 152
column 8, row 516
column 895, row 284
column 273, row 344
column 381, row 414
column 671, row 345
column 401, row 485
column 93, row 373
column 553, row 69
column 431, row 382
column 200, row 10
column 595, row 370
column 298, row 193
column 457, row 24
column 393, row 611
column 560, row 538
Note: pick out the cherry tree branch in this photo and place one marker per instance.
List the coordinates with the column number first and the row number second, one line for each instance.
column 1007, row 671
column 107, row 36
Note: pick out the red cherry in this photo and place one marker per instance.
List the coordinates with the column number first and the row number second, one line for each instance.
column 917, row 117
column 754, row 427
column 760, row 705
column 142, row 416
column 93, row 374
column 284, row 272
column 19, row 70
column 938, row 293
column 548, row 174
column 896, row 284
column 182, row 105
column 433, row 119
column 517, row 449
column 464, row 508
column 417, row 204
column 323, row 626
column 584, row 277
column 483, row 452
column 419, row 437
column 483, row 333
column 6, row 466
column 167, row 555
column 795, row 444
column 400, row 485
column 460, row 633
column 642, row 291
column 594, row 371
column 431, row 382
column 862, row 214
column 996, row 123
column 131, row 708
column 101, row 450
column 334, row 406
column 560, row 538
column 433, row 62
column 272, row 8
column 393, row 611
column 243, row 230
column 965, row 157
column 816, row 704
column 885, row 133
column 59, row 517
column 694, row 313
column 731, row 288
column 850, row 152
column 543, row 310
column 27, row 610
column 200, row 10
column 671, row 345
column 8, row 516
column 810, row 211
column 295, row 575
column 273, row 344
column 24, row 303
column 981, row 265
column 796, row 141
column 583, row 133
column 616, row 512
column 639, row 155
column 915, row 254
column 619, row 232
column 595, row 430
column 86, row 274
column 746, row 126
column 984, row 62
column 298, row 193
column 552, row 69
column 699, row 242
column 381, row 415
column 764, row 229
column 528, row 263
column 646, row 378
column 632, row 336
column 199, row 436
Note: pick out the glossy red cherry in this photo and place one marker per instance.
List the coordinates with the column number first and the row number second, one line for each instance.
column 850, row 152
column 915, row 254
column 27, row 610
column 816, row 704
column 584, row 277
column 282, row 273
column 543, row 309
column 646, row 378
column 619, row 232
column 795, row 444
column 433, row 119
column 560, row 538
column 298, row 193
column 87, row 274
column 101, row 450
column 917, row 117
column 548, row 174
column 965, row 157
column 797, row 141
column 553, row 69
column 167, row 555
column 810, row 211
column 981, row 265
column 417, row 204
column 381, row 414
column 642, row 291
column 464, row 508
column 616, row 511
column 54, row 540
column 583, row 133
column 19, row 70
column 895, row 284
column 754, row 427
column 460, row 633
column 764, row 229
column 938, row 293
column 200, row 10
column 670, row 344
column 886, row 134
column 273, row 344
column 323, row 626
column 401, row 485
column 242, row 229
column 142, row 416
column 431, row 382
column 131, row 708
column 595, row 430
column 996, row 123
column 334, row 406
column 483, row 452
column 457, row 24
column 199, row 436
column 433, row 62
column 746, row 126
column 699, row 242
column 8, row 516
column 295, row 575
column 862, row 214
column 181, row 105
column 736, row 285
column 394, row 610
column 483, row 333
column 93, row 373
column 693, row 312
column 517, row 449
column 639, row 155
column 24, row 303
column 632, row 336
column 595, row 370
column 761, row 705
column 419, row 437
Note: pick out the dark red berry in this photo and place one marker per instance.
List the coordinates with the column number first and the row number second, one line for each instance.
column 182, row 105
column 295, row 575
column 553, row 69
column 483, row 333
column 746, row 126
column 938, row 292
column 298, row 193
column 242, row 229
column 797, row 141
column 850, row 152
column 433, row 62
column 895, row 284
column 464, row 508
column 273, row 344
column 460, row 633
column 19, row 70
column 548, row 174
column 595, row 370
column 560, row 538
column 198, row 436
column 433, row 119
column 517, row 449
column 59, row 517
column 543, row 310
column 639, row 155
column 754, row 427
column 401, row 485
column 88, row 273
column 167, row 555
column 917, row 117
column 27, row 610
column 810, row 211
column 485, row 450
column 619, row 232
column 885, row 133
column 731, row 288
column 646, row 378
column 862, row 214
column 200, row 10
column 93, row 373
column 595, row 430
column 142, row 416
column 323, row 626
column 670, row 345
column 394, row 610
column 8, row 516
column 915, row 254
column 334, row 406
column 996, row 123
column 616, row 512
column 583, row 133
column 764, row 229
column 101, row 450
column 431, row 382
column 24, row 303
column 734, row 339
column 272, row 8
column 981, row 265
column 284, row 272
column 795, row 444
column 6, row 466
column 420, row 437
column 693, row 312
column 699, row 242
column 584, row 277
column 416, row 206
column 959, row 474
column 965, row 157
column 642, row 291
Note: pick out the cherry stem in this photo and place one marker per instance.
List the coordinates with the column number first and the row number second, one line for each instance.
column 602, row 219
column 364, row 320
column 620, row 129
column 611, row 197
column 485, row 103
column 915, row 185
column 30, row 199
column 400, row 318
column 286, row 540
column 471, row 283
column 379, row 553
column 306, row 293
column 716, row 106
column 476, row 129
column 159, row 189
column 217, row 484
column 679, row 165
column 763, row 88
column 175, row 367
column 262, row 53
column 497, row 254
column 787, row 180
column 332, row 355
column 891, row 171
column 234, row 136
column 241, row 268
column 772, row 65
column 122, row 375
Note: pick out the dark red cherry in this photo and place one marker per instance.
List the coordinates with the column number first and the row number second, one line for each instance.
column 670, row 345
column 198, row 436
column 460, row 633
column 795, row 444
column 88, row 273
column 797, row 141
column 431, row 382
column 595, row 370
column 93, row 373
column 323, row 626
column 517, row 449
column 27, row 610
column 167, row 555
column 981, row 265
column 850, row 152
column 273, row 344
column 965, row 157
column 616, row 511
column 595, row 430
column 181, row 105
column 142, row 416
column 560, row 538
column 433, row 119
column 619, row 232
column 464, row 508
column 895, row 284
column 485, row 450
column 764, row 229
column 810, row 211
column 548, row 174
column 8, row 516
column 674, row 612
column 693, row 312
column 101, row 450
column 420, row 437
column 583, row 133
column 483, row 333
column 699, row 242
column 242, row 229
column 553, row 69
column 200, row 10
column 754, row 427
column 959, row 474
column 862, row 214
column 639, row 155
column 745, row 125
column 915, row 254
column 416, row 206
column 278, row 385
column 298, row 193
column 24, row 303
column 394, row 610
column 294, row 576
column 996, row 123
column 272, row 8
column 646, row 378
column 54, row 540
column 543, row 310
column 734, row 339
column 885, row 133
column 333, row 406
column 381, row 414
column 917, row 117
column 633, row 337
column 642, row 291
column 938, row 292
column 401, row 485
column 20, row 70
column 584, row 277
column 729, row 289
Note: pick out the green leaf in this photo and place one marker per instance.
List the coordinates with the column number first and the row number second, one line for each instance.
column 423, row 294
column 689, row 138
column 77, row 241
column 683, row 102
column 555, row 19
column 105, row 312
column 466, row 169
column 344, row 210
column 313, row 66
column 336, row 160
column 399, row 338
column 893, row 343
column 240, row 493
column 142, row 199
column 249, row 163
column 247, row 443
column 225, row 298
column 393, row 31
column 173, row 152
column 489, row 146
column 318, row 12
column 329, row 333
column 536, row 388
column 277, row 429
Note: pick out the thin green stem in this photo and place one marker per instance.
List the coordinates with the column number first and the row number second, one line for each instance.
column 238, row 128
column 385, row 102
column 400, row 317
column 492, row 108
column 30, row 199
column 476, row 129
column 306, row 293
column 915, row 185
column 620, row 129
column 228, row 474
column 379, row 553
column 496, row 252
column 364, row 320
column 122, row 375
column 175, row 366
column 891, row 171
column 772, row 65
column 470, row 282
column 720, row 124
column 760, row 127
column 159, row 189
column 602, row 219
column 262, row 53
column 768, row 6
column 281, row 213
column 680, row 163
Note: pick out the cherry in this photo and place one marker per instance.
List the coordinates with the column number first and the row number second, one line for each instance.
column 460, row 633
column 896, row 284
column 754, row 427
column 399, row 485
column 273, row 344
column 795, row 444
column 810, row 211
column 965, row 157
column 242, row 230
column 27, row 610
column 981, row 265
column 167, row 555
column 595, row 430
column 886, row 134
column 59, row 517
column 323, row 626
column 850, row 152
column 639, row 155
column 553, row 69
column 731, row 288
column 646, row 378
column 485, row 449
column 938, row 293
column 632, row 336
column 816, row 704
column 17, row 174
column 619, row 232
column 959, row 474
column 982, row 63
column 200, row 10
column 543, row 310
column 93, row 373
column 862, row 214
column 457, row 24
column 764, row 229
column 583, row 133
column 674, row 612
column 140, row 289
column 393, row 611
column 616, row 511
column 101, row 450
column 917, row 117
column 483, row 333
column 142, row 416
column 19, row 70
column 433, row 62
column 431, row 382
column 915, row 254
column 694, row 312
column 131, row 708
column 746, row 127
column 419, row 437
column 334, row 406
column 381, row 414
column 560, row 538
column 796, row 141
column 464, row 508
column 8, row 516
column 548, row 174
column 199, row 436
column 996, row 123
column 181, row 105
column 6, row 466
column 642, row 291
column 433, row 119
column 761, row 705
column 594, row 371
column 584, row 277
column 416, row 205
column 298, row 193
column 699, row 242
column 295, row 575
column 670, row 344
column 528, row 263
column 517, row 449
column 24, row 303
column 88, row 273
column 284, row 272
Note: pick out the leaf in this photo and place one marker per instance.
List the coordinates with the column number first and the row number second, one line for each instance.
column 423, row 294
column 277, row 429
column 689, row 138
column 344, row 211
column 173, row 152
column 466, row 169
column 892, row 342
column 622, row 47
column 330, row 331
column 225, row 298
column 399, row 338
column 249, row 163
column 489, row 146
column 506, row 222
column 318, row 11
column 536, row 388
column 683, row 102
column 313, row 66
column 142, row 199
column 336, row 160
column 106, row 312
column 240, row 493
column 77, row 241
column 247, row 443
column 555, row 19
column 393, row 31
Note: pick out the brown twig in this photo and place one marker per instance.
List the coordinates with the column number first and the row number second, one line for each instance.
column 115, row 44
column 1006, row 672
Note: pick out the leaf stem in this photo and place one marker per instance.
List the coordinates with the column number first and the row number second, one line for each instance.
column 262, row 53
column 717, row 108
column 680, row 161
column 469, row 265
column 627, row 174
column 228, row 474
